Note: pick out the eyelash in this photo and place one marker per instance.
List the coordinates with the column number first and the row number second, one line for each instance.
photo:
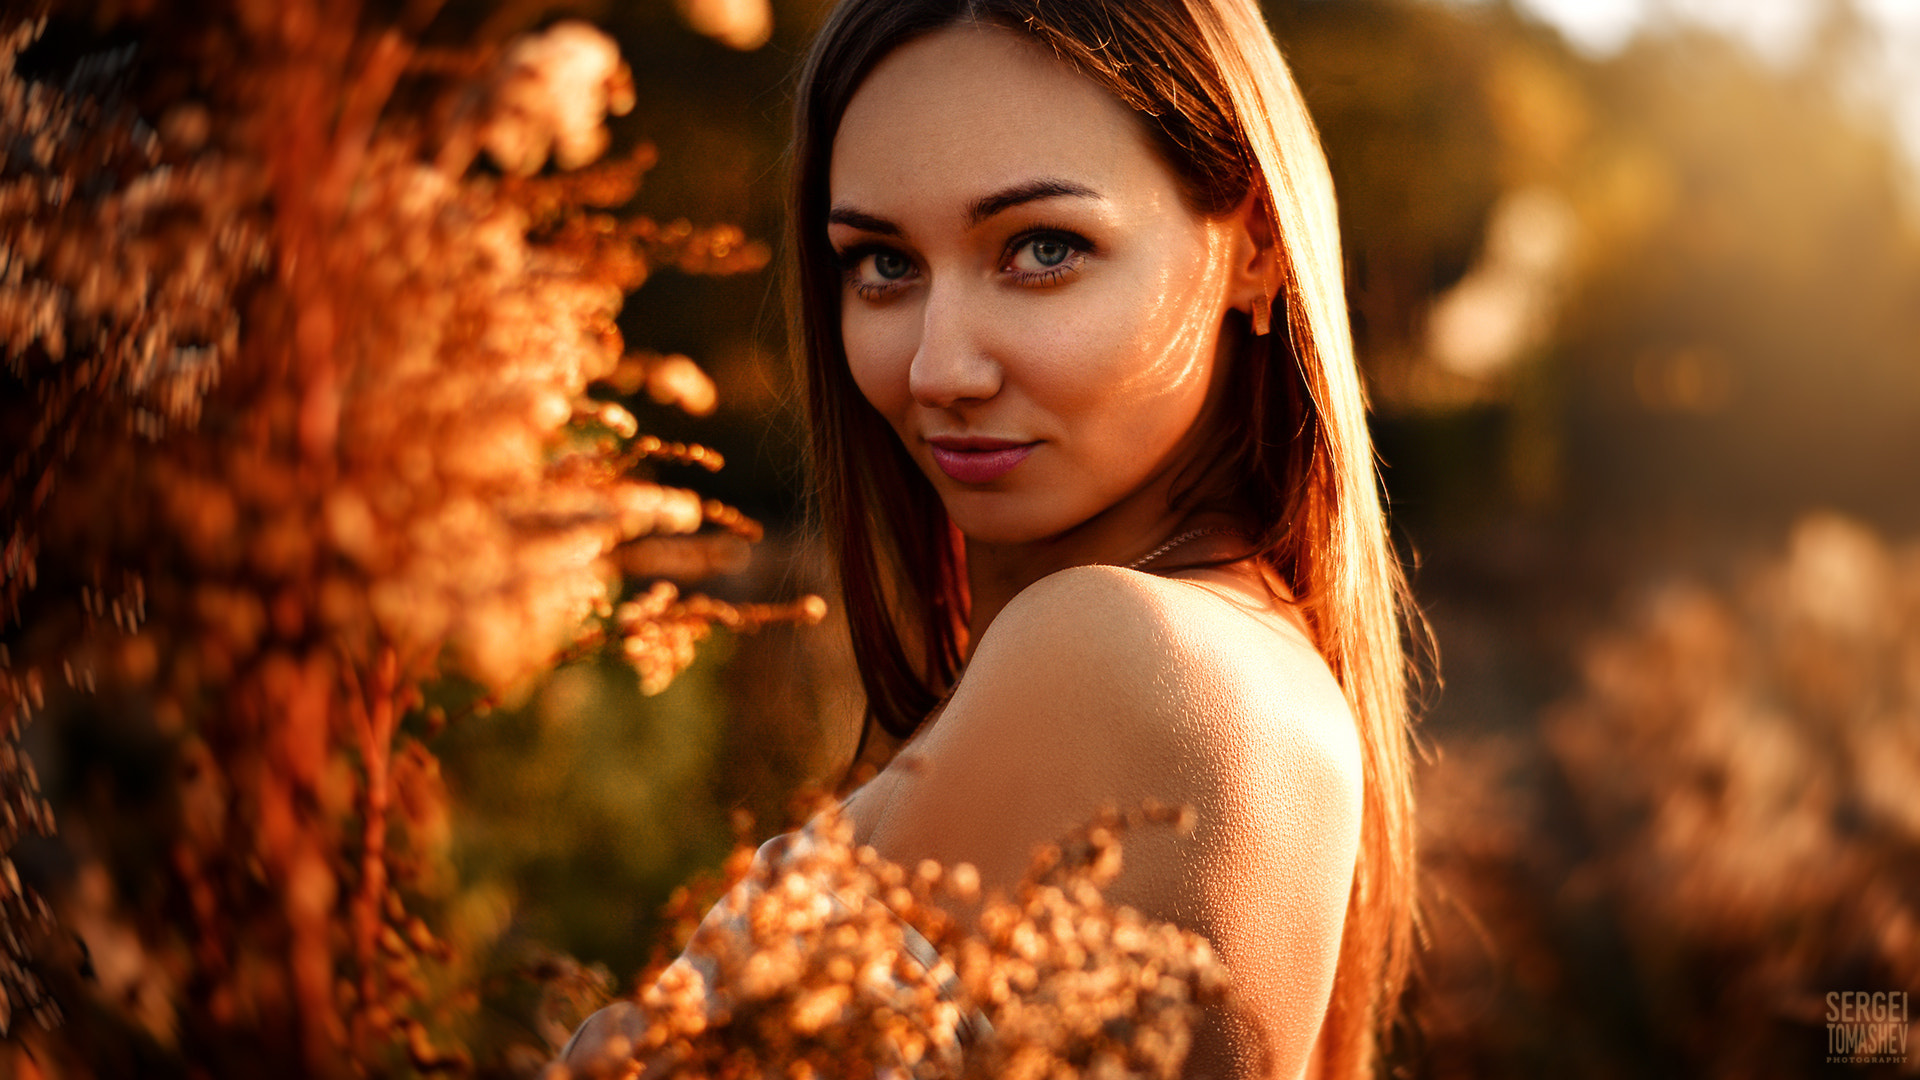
column 850, row 262
column 1078, row 246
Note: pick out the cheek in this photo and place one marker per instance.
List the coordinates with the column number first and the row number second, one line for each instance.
column 880, row 358
column 1140, row 357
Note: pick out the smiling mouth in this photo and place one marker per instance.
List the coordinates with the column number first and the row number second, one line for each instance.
column 977, row 460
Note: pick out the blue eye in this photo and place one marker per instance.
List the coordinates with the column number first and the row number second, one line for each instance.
column 1045, row 257
column 876, row 272
column 1050, row 251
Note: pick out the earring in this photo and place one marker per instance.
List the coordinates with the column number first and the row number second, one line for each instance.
column 1262, row 315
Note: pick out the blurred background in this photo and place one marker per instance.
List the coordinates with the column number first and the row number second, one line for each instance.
column 1636, row 286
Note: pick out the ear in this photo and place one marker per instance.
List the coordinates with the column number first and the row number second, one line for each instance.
column 1255, row 281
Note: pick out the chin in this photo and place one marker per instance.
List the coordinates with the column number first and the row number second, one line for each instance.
column 1013, row 521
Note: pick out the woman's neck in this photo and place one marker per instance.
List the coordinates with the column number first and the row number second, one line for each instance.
column 997, row 572
column 1122, row 533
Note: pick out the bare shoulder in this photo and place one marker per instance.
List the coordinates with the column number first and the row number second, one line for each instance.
column 1185, row 665
column 1102, row 686
column 1099, row 686
column 1210, row 695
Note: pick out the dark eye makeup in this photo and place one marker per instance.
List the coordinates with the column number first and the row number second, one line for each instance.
column 874, row 270
column 1043, row 255
column 1036, row 257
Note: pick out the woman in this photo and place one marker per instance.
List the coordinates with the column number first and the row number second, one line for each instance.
column 1092, row 453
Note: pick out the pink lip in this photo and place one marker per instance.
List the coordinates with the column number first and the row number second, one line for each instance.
column 975, row 460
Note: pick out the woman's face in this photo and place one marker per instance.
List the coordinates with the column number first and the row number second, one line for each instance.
column 1026, row 298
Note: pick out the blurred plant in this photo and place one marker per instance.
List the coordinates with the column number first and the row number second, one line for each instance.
column 1754, row 760
column 808, row 967
column 305, row 418
column 739, row 24
column 1721, row 829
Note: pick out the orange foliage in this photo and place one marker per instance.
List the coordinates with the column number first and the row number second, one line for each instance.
column 310, row 421
column 809, row 966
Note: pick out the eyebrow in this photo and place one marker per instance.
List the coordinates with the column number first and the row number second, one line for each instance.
column 982, row 208
column 1031, row 191
column 848, row 216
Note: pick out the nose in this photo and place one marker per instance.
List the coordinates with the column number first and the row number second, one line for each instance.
column 951, row 366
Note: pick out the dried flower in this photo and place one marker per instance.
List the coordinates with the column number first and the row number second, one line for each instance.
column 553, row 91
column 739, row 24
column 316, row 416
column 1727, row 804
column 826, row 960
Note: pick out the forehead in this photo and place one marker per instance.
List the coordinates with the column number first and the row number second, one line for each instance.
column 974, row 109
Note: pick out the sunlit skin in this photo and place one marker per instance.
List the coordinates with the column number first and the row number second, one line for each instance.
column 1020, row 269
column 1044, row 323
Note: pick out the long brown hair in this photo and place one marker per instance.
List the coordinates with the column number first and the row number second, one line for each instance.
column 1208, row 83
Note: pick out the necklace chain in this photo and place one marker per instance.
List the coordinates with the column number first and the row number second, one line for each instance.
column 1184, row 538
